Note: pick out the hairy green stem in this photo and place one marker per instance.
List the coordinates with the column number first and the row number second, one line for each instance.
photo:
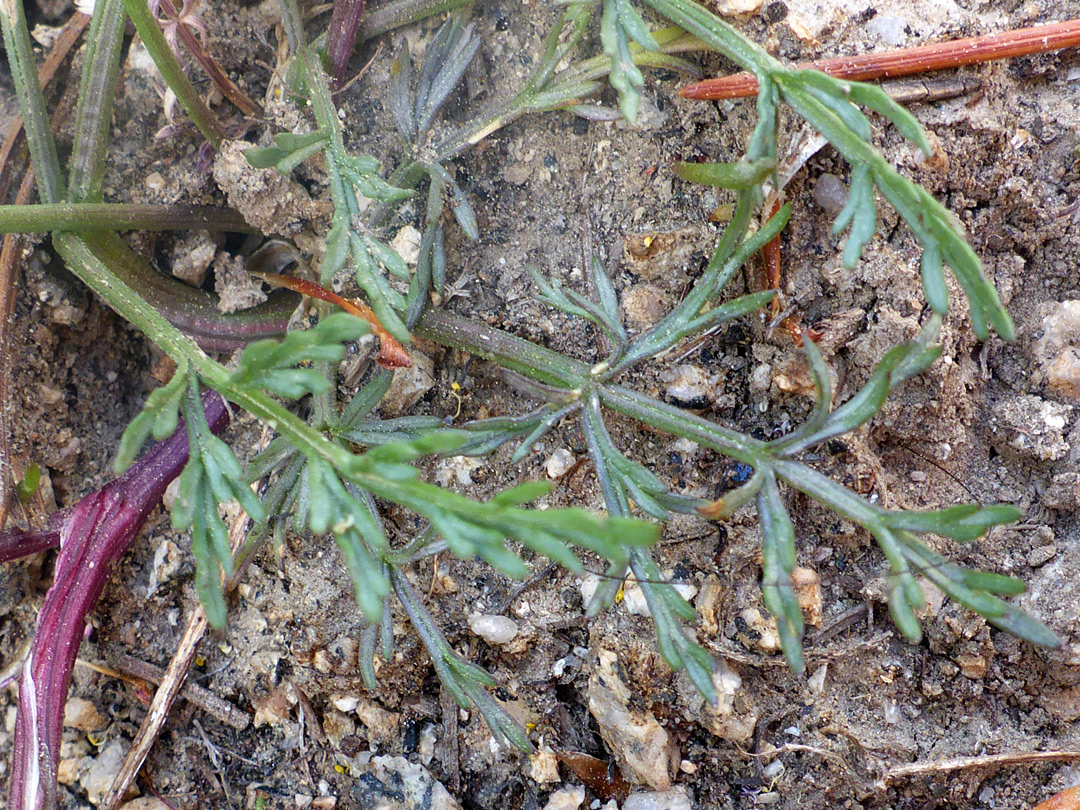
column 509, row 351
column 118, row 217
column 93, row 116
column 35, row 116
column 403, row 12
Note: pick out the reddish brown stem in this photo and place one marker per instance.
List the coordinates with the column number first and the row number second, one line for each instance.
column 906, row 61
column 392, row 354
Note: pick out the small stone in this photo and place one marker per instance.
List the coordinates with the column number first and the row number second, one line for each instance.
column 567, row 798
column 145, row 803
column 1058, row 350
column 735, row 8
column 756, row 630
column 406, row 243
column 689, row 386
column 634, row 597
column 972, row 665
column 191, row 257
column 337, row 726
column 172, row 492
column 382, row 725
column 1041, row 556
column 644, row 305
column 722, row 719
column 409, row 385
column 154, row 182
column 67, row 772
column 457, row 469
column 275, row 708
column 236, row 288
column 494, row 629
column 49, row 396
column 816, row 682
column 1032, row 427
column 1063, row 494
column 394, row 782
column 345, row 703
column 635, row 738
column 830, row 194
column 678, row 798
column 808, row 594
column 302, row 800
column 559, row 463
column 83, row 715
column 98, row 780
column 324, row 803
column 168, row 561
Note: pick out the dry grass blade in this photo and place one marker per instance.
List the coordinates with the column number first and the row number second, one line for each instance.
column 917, row 769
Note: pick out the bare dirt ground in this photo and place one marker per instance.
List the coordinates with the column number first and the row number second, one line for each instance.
column 981, row 425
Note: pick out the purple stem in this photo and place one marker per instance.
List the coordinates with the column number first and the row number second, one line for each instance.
column 341, row 37
column 16, row 543
column 96, row 532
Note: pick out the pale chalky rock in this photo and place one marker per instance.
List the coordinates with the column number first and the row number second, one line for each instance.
column 98, row 779
column 640, row 745
column 678, row 798
column 394, row 783
column 567, row 798
column 1058, row 350
column 494, row 629
column 82, row 714
column 409, row 385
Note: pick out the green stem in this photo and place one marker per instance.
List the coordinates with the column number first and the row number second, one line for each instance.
column 118, row 217
column 173, row 73
column 93, row 117
column 509, row 351
column 35, row 116
column 673, row 420
column 403, row 12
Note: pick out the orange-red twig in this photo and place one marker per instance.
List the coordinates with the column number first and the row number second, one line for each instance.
column 391, row 354
column 905, row 61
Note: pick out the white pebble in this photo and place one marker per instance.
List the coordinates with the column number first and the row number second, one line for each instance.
column 560, row 462
column 494, row 629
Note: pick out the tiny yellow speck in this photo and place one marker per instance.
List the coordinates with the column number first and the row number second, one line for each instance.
column 530, row 726
column 619, row 595
column 647, row 241
column 95, row 741
column 341, row 769
column 200, row 661
column 455, row 386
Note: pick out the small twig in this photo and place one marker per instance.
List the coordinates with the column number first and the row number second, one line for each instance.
column 907, row 61
column 522, row 587
column 916, row 769
column 172, row 683
column 191, row 691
